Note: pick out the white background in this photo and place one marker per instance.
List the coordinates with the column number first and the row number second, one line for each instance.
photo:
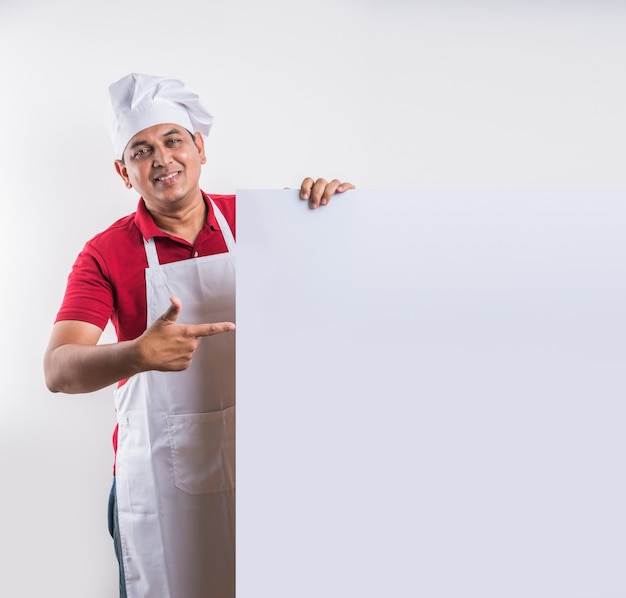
column 388, row 94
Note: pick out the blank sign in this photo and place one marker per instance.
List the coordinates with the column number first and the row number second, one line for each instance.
column 430, row 391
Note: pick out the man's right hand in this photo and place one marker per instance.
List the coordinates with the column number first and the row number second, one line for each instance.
column 75, row 363
column 168, row 346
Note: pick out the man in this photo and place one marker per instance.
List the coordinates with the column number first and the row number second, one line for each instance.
column 165, row 277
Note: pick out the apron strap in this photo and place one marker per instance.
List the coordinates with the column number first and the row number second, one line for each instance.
column 150, row 246
column 226, row 232
column 151, row 253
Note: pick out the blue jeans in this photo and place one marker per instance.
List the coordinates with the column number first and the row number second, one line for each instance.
column 114, row 530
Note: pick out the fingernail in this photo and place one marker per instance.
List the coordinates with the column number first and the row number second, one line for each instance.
column 305, row 196
column 340, row 188
column 324, row 201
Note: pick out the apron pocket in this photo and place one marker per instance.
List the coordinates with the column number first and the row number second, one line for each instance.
column 203, row 450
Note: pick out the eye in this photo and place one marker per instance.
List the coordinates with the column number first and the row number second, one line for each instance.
column 140, row 153
column 173, row 141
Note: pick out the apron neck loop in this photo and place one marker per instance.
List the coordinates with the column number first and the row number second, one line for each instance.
column 151, row 253
column 150, row 245
column 226, row 232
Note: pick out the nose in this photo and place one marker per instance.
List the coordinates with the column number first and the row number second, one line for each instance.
column 161, row 156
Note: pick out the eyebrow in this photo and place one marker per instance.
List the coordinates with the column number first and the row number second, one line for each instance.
column 144, row 142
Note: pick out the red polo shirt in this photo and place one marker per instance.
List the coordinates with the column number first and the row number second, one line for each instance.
column 107, row 281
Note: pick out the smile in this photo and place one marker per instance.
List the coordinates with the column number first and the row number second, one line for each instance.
column 167, row 177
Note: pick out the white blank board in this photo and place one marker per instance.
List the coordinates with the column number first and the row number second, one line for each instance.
column 431, row 394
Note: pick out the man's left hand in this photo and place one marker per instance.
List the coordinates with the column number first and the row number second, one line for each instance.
column 319, row 192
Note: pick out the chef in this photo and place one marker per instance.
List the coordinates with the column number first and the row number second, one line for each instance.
column 165, row 277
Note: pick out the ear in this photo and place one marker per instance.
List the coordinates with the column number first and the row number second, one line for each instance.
column 199, row 143
column 120, row 168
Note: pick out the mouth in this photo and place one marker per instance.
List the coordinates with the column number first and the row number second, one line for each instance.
column 164, row 178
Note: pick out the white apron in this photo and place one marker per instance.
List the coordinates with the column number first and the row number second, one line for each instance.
column 175, row 461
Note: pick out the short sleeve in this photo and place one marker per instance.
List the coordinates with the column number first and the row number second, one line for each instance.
column 88, row 294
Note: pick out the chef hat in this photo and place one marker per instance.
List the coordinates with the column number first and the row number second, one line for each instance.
column 140, row 101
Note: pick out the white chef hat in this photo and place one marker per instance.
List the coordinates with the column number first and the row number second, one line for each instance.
column 140, row 101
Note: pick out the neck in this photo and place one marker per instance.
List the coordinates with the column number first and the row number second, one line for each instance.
column 185, row 223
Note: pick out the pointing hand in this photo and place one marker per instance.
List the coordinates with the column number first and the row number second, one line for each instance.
column 170, row 346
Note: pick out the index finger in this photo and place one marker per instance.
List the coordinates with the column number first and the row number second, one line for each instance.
column 305, row 187
column 199, row 330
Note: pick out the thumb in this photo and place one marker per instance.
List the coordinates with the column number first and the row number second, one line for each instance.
column 172, row 311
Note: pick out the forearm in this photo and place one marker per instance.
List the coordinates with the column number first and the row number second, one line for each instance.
column 76, row 363
column 75, row 368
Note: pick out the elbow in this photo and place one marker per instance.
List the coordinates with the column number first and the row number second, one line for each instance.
column 51, row 386
column 51, row 376
column 51, row 383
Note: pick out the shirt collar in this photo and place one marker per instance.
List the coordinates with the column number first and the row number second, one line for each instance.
column 148, row 228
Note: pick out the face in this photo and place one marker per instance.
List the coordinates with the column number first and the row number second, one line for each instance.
column 163, row 164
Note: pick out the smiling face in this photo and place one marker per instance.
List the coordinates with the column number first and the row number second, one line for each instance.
column 163, row 164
